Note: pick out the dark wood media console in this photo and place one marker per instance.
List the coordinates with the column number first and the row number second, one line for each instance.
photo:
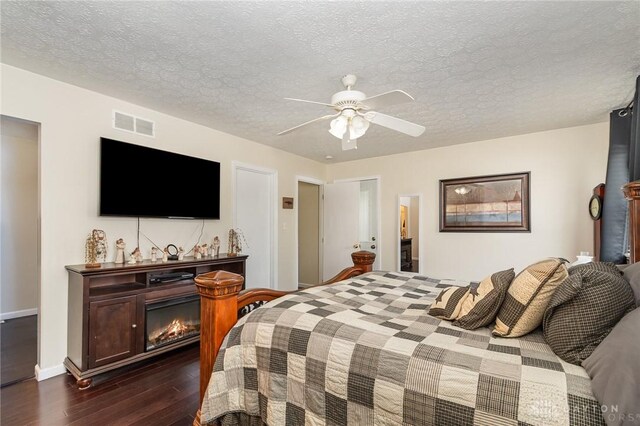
column 108, row 306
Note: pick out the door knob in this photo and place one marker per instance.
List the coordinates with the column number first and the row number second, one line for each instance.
column 133, row 325
column 356, row 246
column 373, row 246
column 373, row 238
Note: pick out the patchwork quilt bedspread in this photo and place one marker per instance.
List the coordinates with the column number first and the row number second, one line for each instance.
column 365, row 352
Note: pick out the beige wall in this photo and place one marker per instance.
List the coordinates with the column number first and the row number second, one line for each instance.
column 308, row 233
column 565, row 165
column 72, row 122
column 19, row 213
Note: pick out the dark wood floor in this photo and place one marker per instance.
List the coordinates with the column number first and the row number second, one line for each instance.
column 163, row 391
column 19, row 349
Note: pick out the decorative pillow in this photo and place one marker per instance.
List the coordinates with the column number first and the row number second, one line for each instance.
column 480, row 307
column 448, row 303
column 614, row 368
column 528, row 296
column 583, row 311
column 596, row 266
column 632, row 275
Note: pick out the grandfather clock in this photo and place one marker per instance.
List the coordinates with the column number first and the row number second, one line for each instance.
column 595, row 211
column 632, row 193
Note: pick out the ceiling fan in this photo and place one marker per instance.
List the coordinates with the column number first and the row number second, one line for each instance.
column 355, row 112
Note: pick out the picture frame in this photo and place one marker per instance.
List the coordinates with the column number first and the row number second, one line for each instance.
column 493, row 203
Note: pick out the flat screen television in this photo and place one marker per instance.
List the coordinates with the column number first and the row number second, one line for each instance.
column 137, row 181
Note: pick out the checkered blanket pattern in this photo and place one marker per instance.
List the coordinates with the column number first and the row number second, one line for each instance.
column 365, row 352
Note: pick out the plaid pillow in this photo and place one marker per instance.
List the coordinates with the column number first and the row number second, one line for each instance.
column 583, row 311
column 596, row 266
column 480, row 307
column 448, row 303
column 528, row 297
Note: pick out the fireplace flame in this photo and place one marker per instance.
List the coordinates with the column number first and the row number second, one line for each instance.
column 175, row 330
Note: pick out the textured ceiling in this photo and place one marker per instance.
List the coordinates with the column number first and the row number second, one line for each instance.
column 477, row 70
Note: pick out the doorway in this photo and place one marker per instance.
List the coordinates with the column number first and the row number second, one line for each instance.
column 309, row 227
column 19, row 248
column 409, row 233
column 255, row 215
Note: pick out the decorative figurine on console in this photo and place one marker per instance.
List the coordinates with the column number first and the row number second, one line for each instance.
column 180, row 253
column 120, row 245
column 154, row 254
column 95, row 249
column 165, row 255
column 204, row 250
column 132, row 258
column 136, row 256
column 196, row 252
column 236, row 238
column 215, row 247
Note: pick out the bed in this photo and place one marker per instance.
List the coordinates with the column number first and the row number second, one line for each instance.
column 362, row 349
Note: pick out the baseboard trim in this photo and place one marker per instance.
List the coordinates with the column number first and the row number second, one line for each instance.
column 47, row 373
column 18, row 314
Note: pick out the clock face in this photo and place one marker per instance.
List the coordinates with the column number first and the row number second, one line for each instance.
column 595, row 207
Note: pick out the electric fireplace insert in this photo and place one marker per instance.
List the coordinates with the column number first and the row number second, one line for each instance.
column 170, row 321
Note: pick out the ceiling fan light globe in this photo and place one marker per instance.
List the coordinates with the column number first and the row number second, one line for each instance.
column 358, row 127
column 338, row 126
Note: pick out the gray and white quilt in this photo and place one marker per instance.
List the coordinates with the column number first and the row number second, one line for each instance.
column 365, row 352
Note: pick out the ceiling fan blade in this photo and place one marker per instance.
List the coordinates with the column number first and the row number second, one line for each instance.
column 347, row 143
column 394, row 123
column 388, row 98
column 310, row 102
column 325, row 117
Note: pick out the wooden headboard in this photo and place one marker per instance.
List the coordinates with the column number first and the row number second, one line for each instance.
column 632, row 193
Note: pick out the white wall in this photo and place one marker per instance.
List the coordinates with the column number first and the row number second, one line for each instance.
column 565, row 165
column 19, row 212
column 72, row 122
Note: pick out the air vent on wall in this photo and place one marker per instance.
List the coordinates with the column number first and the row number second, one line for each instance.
column 144, row 127
column 130, row 123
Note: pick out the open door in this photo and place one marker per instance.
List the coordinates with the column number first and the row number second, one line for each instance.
column 341, row 224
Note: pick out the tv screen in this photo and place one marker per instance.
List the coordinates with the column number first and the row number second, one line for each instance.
column 145, row 182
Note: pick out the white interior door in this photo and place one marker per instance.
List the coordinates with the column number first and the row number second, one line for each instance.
column 254, row 203
column 341, row 225
column 368, row 227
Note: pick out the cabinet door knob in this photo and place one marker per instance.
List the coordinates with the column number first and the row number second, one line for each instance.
column 134, row 325
column 373, row 246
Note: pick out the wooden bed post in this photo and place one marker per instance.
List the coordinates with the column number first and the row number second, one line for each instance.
column 632, row 193
column 362, row 262
column 218, row 314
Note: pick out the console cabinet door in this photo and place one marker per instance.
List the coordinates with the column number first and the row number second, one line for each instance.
column 112, row 330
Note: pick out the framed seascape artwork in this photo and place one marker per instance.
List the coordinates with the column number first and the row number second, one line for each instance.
column 497, row 203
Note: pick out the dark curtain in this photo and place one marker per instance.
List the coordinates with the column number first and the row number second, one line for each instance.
column 634, row 160
column 623, row 166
